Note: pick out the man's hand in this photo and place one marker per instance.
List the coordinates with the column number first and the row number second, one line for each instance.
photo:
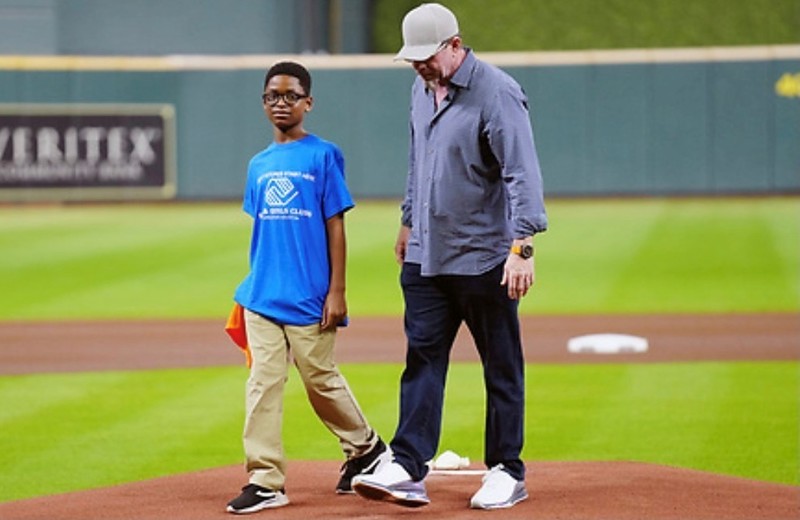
column 518, row 275
column 401, row 244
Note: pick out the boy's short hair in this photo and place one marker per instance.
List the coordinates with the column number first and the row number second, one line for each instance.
column 290, row 68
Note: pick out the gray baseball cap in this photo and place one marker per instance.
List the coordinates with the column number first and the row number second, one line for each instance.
column 424, row 29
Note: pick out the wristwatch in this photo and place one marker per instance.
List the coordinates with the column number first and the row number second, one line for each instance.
column 525, row 250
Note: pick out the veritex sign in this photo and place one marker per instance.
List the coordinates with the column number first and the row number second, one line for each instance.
column 87, row 152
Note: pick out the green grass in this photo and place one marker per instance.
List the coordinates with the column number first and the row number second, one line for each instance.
column 599, row 256
column 95, row 429
column 127, row 261
column 529, row 25
column 669, row 256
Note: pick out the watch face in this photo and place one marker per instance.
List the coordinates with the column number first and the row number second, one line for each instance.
column 526, row 251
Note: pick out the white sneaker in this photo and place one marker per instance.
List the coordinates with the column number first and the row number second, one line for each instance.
column 391, row 483
column 499, row 490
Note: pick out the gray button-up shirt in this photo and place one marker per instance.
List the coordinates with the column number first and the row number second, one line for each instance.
column 473, row 182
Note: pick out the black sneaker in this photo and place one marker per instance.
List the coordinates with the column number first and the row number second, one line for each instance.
column 255, row 498
column 366, row 463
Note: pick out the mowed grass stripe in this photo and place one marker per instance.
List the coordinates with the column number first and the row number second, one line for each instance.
column 126, row 261
column 759, row 420
column 722, row 259
column 599, row 256
column 741, row 418
column 654, row 413
column 121, row 426
column 585, row 255
column 567, row 405
column 373, row 286
column 669, row 255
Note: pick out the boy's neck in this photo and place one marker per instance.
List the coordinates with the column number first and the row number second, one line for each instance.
column 291, row 134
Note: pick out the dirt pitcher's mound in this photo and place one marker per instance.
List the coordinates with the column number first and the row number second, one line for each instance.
column 559, row 490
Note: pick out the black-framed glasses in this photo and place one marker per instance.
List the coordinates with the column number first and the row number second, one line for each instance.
column 291, row 98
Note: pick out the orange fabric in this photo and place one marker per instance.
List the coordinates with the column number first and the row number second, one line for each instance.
column 235, row 328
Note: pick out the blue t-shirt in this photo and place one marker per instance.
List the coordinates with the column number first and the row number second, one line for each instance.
column 292, row 190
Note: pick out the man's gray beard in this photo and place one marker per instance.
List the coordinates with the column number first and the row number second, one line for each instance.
column 431, row 85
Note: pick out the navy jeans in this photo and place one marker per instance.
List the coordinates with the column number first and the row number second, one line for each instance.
column 435, row 308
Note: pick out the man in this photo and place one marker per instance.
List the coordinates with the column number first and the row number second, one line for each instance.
column 473, row 203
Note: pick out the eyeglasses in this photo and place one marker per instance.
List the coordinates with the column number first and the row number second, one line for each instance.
column 445, row 44
column 291, row 98
column 442, row 46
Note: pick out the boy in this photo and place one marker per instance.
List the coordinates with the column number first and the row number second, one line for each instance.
column 293, row 297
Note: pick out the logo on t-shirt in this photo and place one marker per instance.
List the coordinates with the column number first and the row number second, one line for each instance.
column 280, row 192
column 282, row 187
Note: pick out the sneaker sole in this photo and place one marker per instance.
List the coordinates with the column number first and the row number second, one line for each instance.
column 380, row 493
column 500, row 505
column 259, row 507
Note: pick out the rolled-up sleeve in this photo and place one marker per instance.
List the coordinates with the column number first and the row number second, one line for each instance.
column 511, row 140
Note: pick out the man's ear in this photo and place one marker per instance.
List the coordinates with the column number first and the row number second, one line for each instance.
column 309, row 103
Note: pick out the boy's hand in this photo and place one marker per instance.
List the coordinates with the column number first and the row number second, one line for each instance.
column 334, row 311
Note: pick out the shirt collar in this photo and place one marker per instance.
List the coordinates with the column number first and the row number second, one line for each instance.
column 463, row 74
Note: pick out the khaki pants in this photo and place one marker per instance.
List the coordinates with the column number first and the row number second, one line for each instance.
column 328, row 393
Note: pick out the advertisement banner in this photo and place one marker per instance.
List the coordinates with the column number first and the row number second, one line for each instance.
column 87, row 152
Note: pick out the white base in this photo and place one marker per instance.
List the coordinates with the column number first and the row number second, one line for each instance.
column 607, row 344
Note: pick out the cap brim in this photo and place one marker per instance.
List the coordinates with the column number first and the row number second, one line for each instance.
column 416, row 52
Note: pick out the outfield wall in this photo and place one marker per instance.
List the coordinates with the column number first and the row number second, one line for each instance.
column 687, row 121
column 158, row 27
